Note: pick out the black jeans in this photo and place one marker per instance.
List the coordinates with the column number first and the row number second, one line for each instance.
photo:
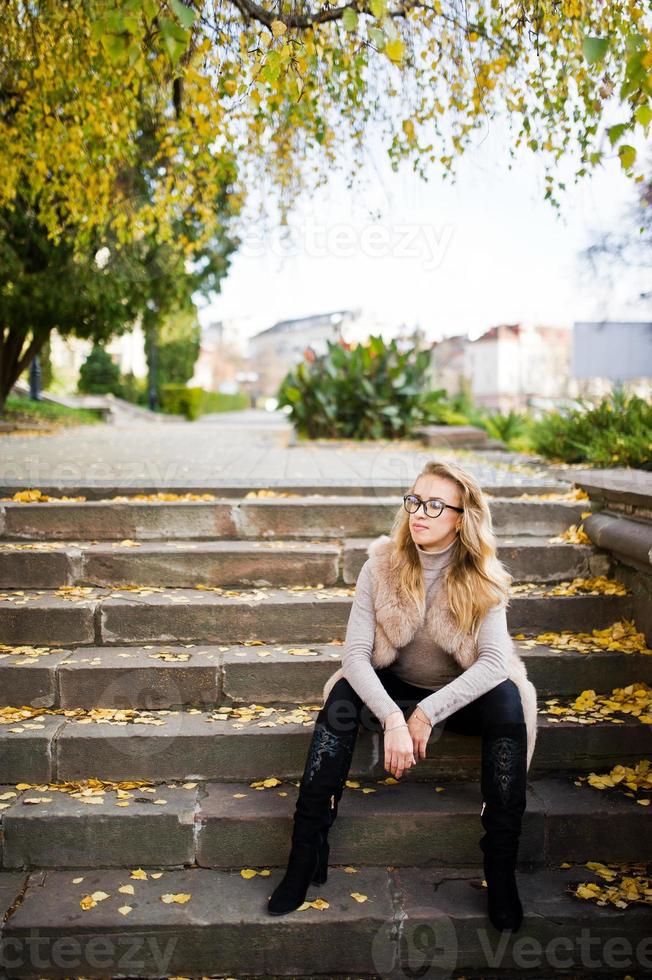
column 344, row 710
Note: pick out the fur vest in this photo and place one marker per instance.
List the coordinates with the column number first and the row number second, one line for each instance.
column 397, row 620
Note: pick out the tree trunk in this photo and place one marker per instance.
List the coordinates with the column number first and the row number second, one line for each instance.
column 12, row 361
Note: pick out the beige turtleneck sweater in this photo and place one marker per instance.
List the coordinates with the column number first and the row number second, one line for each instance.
column 419, row 662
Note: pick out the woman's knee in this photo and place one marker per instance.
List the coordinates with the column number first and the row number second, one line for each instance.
column 503, row 703
column 341, row 710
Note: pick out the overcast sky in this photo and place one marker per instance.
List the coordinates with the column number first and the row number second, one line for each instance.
column 453, row 258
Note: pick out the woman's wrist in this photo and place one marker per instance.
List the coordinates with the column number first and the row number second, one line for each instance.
column 394, row 720
column 423, row 715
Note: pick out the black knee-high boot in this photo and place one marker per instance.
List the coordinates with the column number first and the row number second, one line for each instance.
column 503, row 782
column 325, row 772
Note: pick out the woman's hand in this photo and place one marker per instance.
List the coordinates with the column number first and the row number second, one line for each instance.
column 399, row 754
column 419, row 728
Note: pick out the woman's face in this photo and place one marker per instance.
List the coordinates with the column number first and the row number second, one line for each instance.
column 435, row 533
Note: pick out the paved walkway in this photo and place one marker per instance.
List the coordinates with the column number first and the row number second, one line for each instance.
column 251, row 446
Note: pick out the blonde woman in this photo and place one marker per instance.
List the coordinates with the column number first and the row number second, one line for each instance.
column 428, row 633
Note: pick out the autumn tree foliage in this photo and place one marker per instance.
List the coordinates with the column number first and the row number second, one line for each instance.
column 237, row 91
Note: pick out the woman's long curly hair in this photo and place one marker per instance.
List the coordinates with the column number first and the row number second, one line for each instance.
column 476, row 578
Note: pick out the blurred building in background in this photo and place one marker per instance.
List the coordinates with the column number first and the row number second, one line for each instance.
column 612, row 353
column 517, row 366
column 275, row 351
column 449, row 364
column 511, row 366
column 221, row 357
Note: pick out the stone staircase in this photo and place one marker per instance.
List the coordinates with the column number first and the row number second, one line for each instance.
column 178, row 652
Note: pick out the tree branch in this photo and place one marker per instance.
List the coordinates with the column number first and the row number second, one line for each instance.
column 253, row 11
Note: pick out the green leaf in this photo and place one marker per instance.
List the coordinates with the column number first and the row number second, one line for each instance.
column 643, row 115
column 627, row 155
column 377, row 37
column 186, row 15
column 378, row 8
column 634, row 42
column 594, row 48
column 615, row 132
column 350, row 19
column 150, row 9
column 175, row 39
column 116, row 46
column 115, row 21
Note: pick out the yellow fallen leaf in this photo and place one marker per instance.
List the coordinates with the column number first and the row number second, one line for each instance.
column 320, row 903
column 139, row 873
column 127, row 889
column 87, row 902
column 125, row 909
column 99, row 896
column 180, row 898
column 358, row 897
column 248, row 873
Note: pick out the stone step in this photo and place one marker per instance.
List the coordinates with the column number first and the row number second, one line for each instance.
column 205, row 675
column 235, row 825
column 376, row 922
column 257, row 518
column 123, row 617
column 247, row 564
column 199, row 745
column 495, row 482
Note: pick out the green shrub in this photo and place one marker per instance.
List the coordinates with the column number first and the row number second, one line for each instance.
column 98, row 375
column 506, row 427
column 370, row 391
column 134, row 389
column 439, row 409
column 218, row 401
column 181, row 400
column 194, row 401
column 617, row 431
column 457, row 409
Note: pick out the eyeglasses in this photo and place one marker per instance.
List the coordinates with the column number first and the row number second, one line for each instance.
column 432, row 507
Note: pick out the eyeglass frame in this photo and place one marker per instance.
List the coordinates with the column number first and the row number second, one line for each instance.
column 422, row 503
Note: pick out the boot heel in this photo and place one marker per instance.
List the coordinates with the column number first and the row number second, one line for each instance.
column 291, row 891
column 503, row 902
column 320, row 876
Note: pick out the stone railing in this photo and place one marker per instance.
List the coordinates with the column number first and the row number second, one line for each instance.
column 622, row 524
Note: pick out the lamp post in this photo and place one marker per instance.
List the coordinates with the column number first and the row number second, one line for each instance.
column 35, row 379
